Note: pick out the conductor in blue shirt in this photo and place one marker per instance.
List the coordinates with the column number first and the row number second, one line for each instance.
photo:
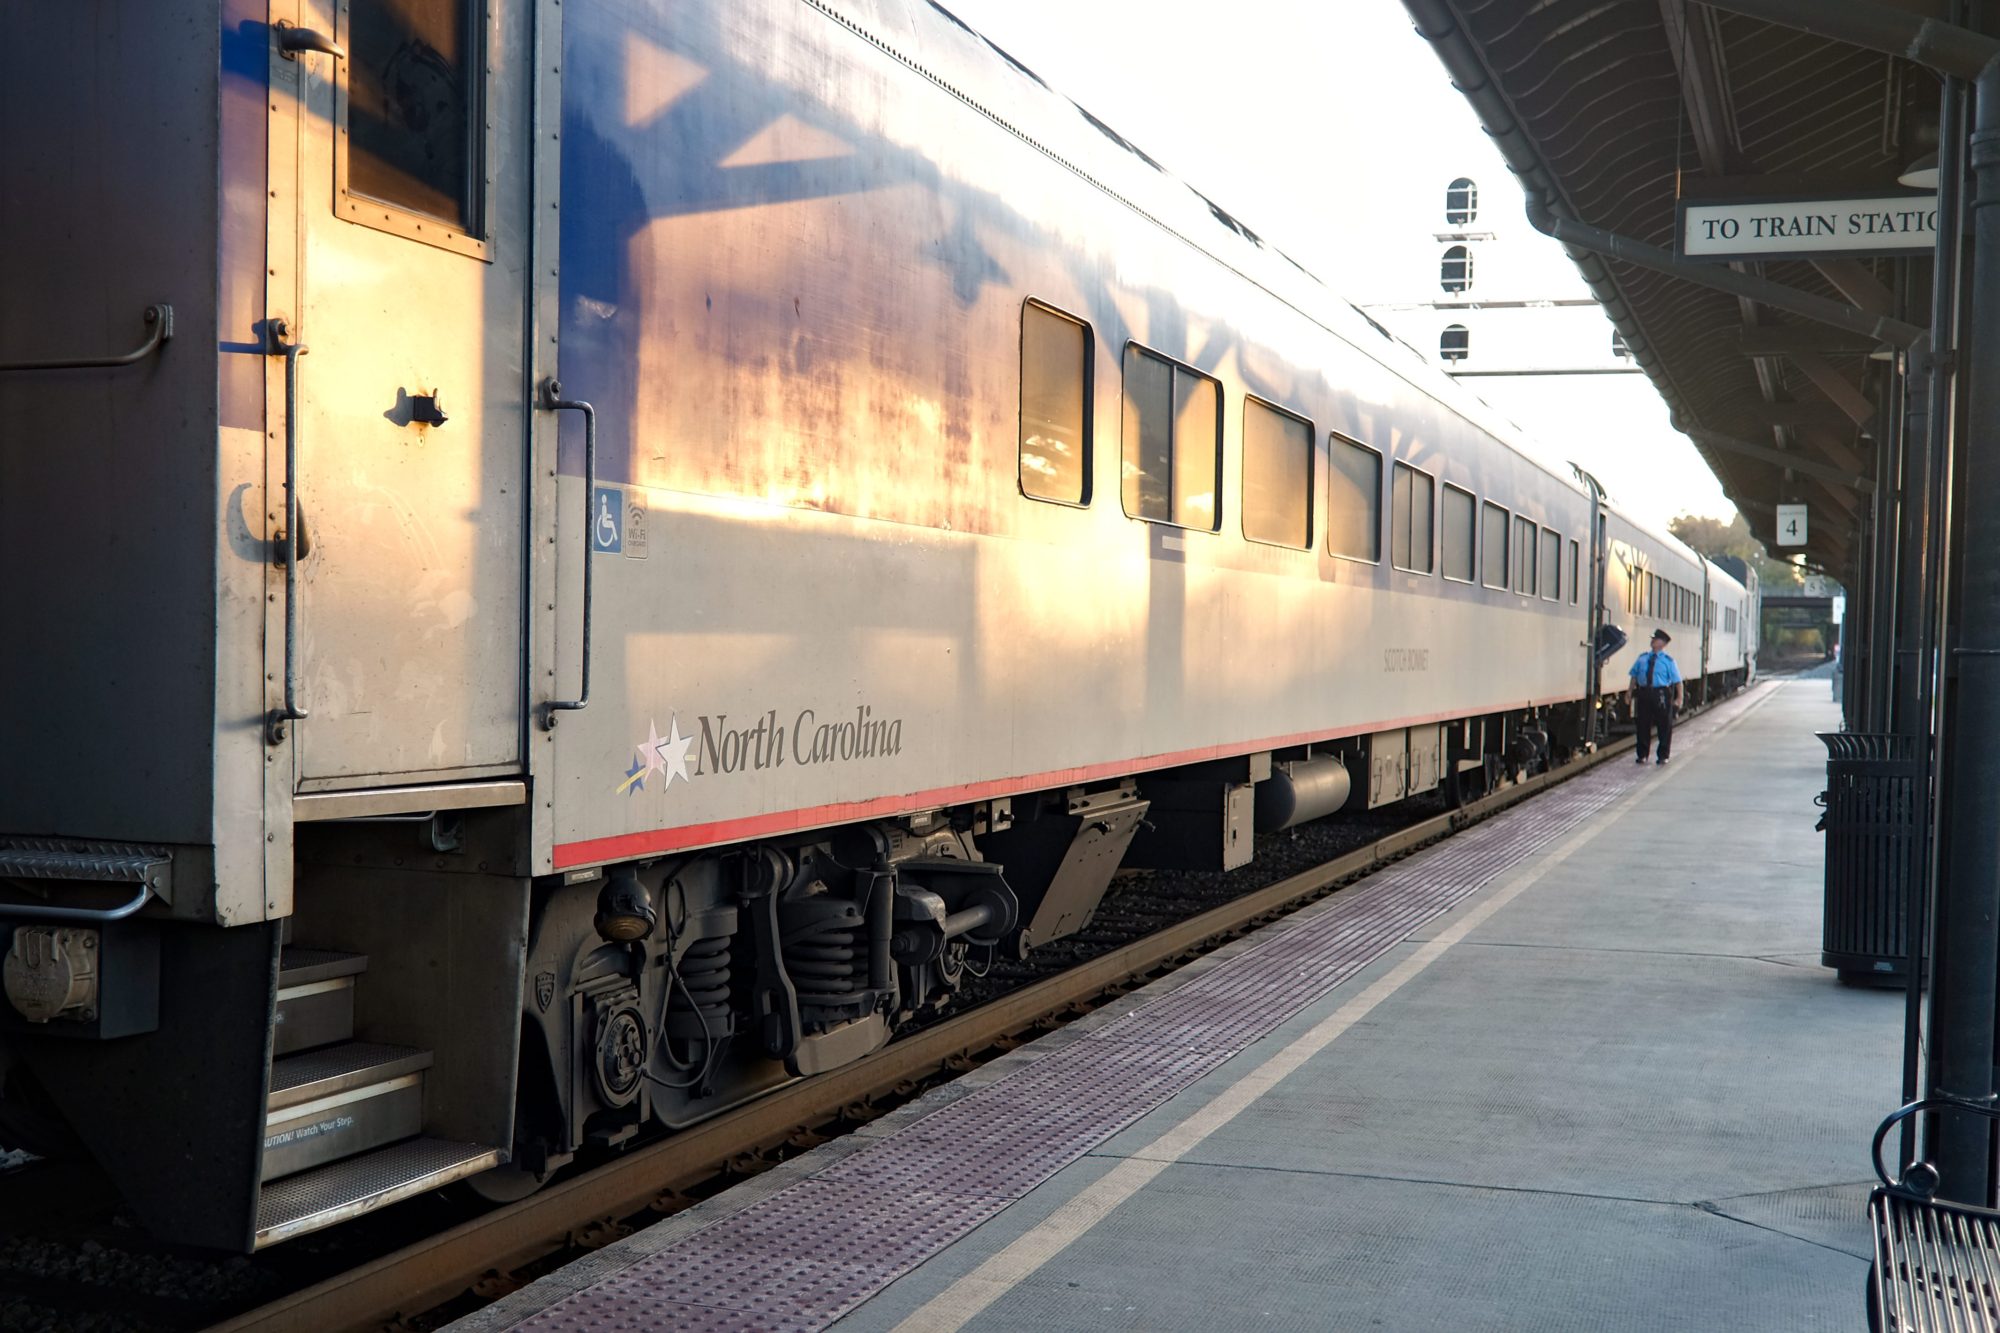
column 1656, row 693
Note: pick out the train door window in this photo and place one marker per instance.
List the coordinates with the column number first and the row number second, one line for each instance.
column 1457, row 520
column 1412, row 509
column 1353, row 500
column 1493, row 547
column 1552, row 549
column 411, row 157
column 1055, row 406
column 1524, row 556
column 1173, row 442
column 1575, row 572
column 1277, row 476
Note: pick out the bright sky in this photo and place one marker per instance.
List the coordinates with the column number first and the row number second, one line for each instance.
column 1330, row 128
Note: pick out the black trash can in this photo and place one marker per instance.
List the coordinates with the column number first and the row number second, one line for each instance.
column 1871, row 823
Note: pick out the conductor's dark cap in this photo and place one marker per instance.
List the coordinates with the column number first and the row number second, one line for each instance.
column 1663, row 636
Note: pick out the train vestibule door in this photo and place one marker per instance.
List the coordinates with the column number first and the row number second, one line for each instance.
column 398, row 299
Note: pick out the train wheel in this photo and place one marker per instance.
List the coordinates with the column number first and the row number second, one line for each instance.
column 505, row 1184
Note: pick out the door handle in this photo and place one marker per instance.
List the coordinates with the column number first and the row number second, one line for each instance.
column 553, row 401
column 294, row 41
column 292, row 547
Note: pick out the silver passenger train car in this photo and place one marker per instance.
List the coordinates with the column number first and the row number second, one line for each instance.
column 570, row 563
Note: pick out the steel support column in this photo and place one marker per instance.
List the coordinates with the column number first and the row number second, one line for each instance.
column 1968, row 941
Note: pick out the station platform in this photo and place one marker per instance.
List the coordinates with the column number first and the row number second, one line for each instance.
column 1575, row 1068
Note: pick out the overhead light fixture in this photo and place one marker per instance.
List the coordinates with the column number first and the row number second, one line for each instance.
column 1921, row 174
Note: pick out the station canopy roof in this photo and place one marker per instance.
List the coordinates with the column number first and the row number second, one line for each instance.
column 1611, row 111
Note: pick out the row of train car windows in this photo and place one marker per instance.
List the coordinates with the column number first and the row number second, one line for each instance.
column 1172, row 471
column 1664, row 600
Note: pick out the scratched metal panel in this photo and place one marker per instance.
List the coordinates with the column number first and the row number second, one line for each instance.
column 410, row 608
column 108, row 477
column 795, row 246
column 804, row 1256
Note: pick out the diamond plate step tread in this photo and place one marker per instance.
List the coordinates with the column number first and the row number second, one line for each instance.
column 62, row 858
column 329, row 1194
column 334, row 1069
column 809, row 1253
column 302, row 967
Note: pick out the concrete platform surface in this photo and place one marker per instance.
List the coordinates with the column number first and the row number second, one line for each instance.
column 1610, row 1089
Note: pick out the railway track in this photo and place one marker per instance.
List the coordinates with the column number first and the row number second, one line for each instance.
column 485, row 1257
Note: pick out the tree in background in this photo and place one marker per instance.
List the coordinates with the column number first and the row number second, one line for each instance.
column 1712, row 537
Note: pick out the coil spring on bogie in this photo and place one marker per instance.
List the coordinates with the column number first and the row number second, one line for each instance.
column 828, row 967
column 700, row 1003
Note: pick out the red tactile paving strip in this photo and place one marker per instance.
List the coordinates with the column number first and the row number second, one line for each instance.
column 804, row 1256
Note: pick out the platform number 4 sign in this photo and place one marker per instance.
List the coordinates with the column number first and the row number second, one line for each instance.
column 1791, row 525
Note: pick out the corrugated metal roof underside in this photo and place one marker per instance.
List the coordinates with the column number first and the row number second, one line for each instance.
column 1596, row 86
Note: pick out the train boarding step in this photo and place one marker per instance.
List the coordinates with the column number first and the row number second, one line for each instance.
column 344, row 1119
column 341, row 1100
column 315, row 998
column 346, row 1189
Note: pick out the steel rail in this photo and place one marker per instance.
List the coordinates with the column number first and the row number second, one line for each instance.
column 431, row 1272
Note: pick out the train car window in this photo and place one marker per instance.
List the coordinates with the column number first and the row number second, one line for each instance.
column 1524, row 556
column 1277, row 476
column 1412, row 509
column 1552, row 550
column 1353, row 500
column 414, row 123
column 1575, row 572
column 1173, row 442
column 1055, row 406
column 1493, row 547
column 1456, row 523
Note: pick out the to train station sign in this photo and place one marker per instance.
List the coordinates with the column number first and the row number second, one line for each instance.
column 1792, row 228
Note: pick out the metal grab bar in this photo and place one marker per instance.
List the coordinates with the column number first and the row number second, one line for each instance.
column 159, row 331
column 291, row 712
column 553, row 401
column 79, row 915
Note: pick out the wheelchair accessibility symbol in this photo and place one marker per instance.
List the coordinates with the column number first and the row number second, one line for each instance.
column 607, row 528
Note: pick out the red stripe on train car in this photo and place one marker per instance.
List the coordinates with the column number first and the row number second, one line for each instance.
column 624, row 846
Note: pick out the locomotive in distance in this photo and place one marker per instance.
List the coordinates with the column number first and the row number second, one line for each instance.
column 997, row 513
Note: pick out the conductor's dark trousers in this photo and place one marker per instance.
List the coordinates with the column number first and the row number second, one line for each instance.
column 1655, row 710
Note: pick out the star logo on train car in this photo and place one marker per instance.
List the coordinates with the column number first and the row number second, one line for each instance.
column 666, row 755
